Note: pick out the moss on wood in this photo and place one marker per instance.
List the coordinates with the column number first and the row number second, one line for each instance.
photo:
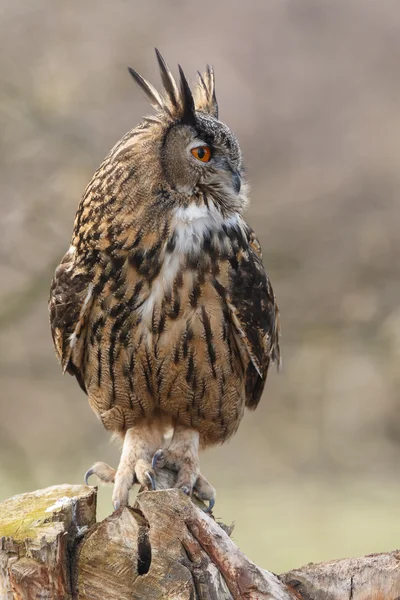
column 22, row 516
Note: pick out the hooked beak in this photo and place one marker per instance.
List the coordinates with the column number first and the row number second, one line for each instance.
column 236, row 181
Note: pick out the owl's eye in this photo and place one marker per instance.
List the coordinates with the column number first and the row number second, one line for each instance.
column 202, row 153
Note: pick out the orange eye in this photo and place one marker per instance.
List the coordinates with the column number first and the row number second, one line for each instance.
column 202, row 153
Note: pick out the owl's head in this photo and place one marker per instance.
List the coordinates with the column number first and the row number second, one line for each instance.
column 198, row 153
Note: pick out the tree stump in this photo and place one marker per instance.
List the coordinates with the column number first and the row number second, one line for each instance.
column 165, row 547
column 39, row 532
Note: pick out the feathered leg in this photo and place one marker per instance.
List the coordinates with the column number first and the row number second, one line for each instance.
column 139, row 446
column 182, row 456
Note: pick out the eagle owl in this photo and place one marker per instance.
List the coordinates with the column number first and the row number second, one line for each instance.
column 161, row 308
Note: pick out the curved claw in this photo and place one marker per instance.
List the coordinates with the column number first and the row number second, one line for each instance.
column 158, row 457
column 88, row 474
column 117, row 504
column 186, row 490
column 151, row 480
column 210, row 506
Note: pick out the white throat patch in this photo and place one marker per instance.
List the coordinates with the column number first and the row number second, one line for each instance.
column 189, row 226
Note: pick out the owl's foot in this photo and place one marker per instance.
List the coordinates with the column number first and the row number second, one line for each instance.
column 128, row 474
column 182, row 456
column 143, row 474
column 187, row 467
column 135, row 464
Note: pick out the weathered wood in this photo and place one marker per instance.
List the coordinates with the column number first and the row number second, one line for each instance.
column 108, row 559
column 373, row 577
column 163, row 548
column 242, row 577
column 168, row 548
column 37, row 534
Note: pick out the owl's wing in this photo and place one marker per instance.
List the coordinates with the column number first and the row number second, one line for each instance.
column 254, row 313
column 71, row 297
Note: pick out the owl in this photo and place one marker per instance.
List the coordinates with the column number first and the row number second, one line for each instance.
column 161, row 308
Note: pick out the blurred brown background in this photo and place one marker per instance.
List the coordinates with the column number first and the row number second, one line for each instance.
column 312, row 89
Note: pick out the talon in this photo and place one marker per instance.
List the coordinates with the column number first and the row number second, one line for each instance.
column 151, row 480
column 210, row 506
column 205, row 492
column 103, row 471
column 186, row 490
column 80, row 531
column 117, row 504
column 157, row 458
column 88, row 474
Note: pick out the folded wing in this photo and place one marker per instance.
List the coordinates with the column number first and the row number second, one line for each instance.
column 71, row 298
column 255, row 316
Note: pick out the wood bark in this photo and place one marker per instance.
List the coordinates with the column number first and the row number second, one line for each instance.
column 166, row 547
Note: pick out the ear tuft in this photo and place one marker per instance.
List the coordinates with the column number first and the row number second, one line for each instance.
column 205, row 98
column 149, row 90
column 177, row 103
column 168, row 81
column 188, row 115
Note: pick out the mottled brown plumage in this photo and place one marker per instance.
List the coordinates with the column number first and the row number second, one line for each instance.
column 162, row 308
